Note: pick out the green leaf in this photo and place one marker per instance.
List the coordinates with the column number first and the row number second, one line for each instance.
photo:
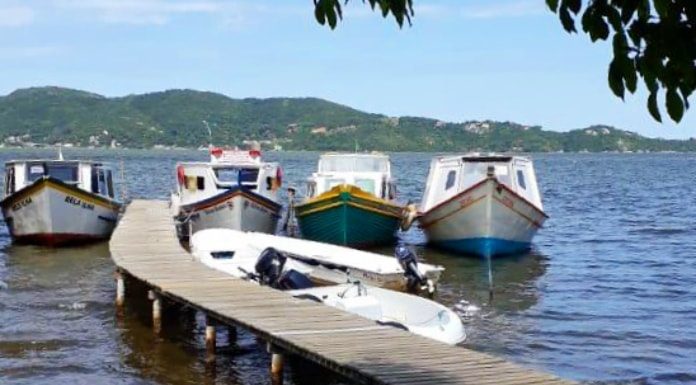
column 573, row 5
column 566, row 20
column 662, row 7
column 319, row 12
column 552, row 4
column 629, row 9
column 629, row 75
column 675, row 105
column 652, row 107
column 616, row 79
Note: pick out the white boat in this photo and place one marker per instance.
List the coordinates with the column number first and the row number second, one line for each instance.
column 416, row 314
column 59, row 202
column 283, row 271
column 235, row 190
column 325, row 263
column 484, row 205
column 350, row 201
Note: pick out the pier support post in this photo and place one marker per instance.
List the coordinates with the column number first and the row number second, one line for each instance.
column 277, row 361
column 156, row 310
column 210, row 336
column 120, row 290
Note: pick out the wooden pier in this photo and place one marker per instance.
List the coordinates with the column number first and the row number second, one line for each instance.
column 145, row 247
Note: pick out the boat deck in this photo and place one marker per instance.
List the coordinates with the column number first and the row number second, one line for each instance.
column 145, row 247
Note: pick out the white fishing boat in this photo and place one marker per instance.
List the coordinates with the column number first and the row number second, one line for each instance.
column 235, row 190
column 324, row 263
column 484, row 205
column 59, row 202
column 285, row 272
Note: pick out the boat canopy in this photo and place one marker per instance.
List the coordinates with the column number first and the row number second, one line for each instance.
column 452, row 175
column 354, row 163
column 226, row 170
column 92, row 177
column 369, row 172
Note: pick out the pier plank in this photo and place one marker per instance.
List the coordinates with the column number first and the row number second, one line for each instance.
column 145, row 247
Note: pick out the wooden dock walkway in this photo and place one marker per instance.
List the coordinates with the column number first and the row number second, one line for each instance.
column 145, row 247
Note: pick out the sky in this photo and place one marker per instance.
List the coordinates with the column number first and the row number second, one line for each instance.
column 460, row 60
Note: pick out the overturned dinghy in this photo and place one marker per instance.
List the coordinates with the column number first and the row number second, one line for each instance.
column 323, row 263
column 408, row 312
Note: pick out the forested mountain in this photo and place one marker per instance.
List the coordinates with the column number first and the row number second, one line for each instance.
column 51, row 115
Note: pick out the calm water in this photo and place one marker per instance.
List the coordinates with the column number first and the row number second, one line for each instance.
column 607, row 296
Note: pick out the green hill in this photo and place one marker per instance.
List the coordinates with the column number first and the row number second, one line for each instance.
column 50, row 115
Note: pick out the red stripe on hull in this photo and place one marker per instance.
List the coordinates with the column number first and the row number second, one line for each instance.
column 58, row 239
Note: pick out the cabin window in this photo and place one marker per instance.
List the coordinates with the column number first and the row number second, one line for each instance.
column 367, row 185
column 451, row 177
column 95, row 180
column 234, row 175
column 110, row 183
column 102, row 182
column 200, row 183
column 35, row 172
column 9, row 181
column 63, row 172
column 520, row 179
column 331, row 183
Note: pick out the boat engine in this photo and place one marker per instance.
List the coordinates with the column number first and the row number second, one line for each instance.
column 415, row 280
column 269, row 266
column 270, row 269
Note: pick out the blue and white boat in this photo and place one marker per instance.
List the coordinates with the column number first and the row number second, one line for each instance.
column 483, row 205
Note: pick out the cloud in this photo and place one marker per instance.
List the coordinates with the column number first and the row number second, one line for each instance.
column 140, row 11
column 30, row 52
column 16, row 16
column 506, row 9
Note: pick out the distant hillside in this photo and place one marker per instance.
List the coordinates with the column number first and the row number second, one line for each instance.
column 51, row 115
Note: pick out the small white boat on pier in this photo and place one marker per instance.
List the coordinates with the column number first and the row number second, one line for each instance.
column 484, row 205
column 235, row 190
column 325, row 263
column 59, row 202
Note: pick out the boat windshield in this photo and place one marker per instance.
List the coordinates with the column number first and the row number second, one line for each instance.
column 353, row 163
column 367, row 185
column 236, row 175
column 65, row 172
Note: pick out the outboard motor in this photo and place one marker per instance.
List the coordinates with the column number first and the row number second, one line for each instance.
column 415, row 280
column 270, row 269
column 269, row 266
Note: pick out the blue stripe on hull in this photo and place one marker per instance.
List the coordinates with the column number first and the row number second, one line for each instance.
column 484, row 247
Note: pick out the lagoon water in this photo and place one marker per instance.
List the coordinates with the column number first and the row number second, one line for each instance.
column 607, row 296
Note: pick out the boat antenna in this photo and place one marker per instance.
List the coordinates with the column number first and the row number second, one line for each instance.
column 490, row 278
column 357, row 147
column 124, row 191
column 210, row 133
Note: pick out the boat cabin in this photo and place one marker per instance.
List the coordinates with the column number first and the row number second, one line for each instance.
column 452, row 175
column 369, row 172
column 92, row 177
column 226, row 170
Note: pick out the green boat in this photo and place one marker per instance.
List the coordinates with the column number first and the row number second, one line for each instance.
column 350, row 202
column 349, row 216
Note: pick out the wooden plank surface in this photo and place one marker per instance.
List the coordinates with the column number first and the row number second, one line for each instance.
column 145, row 246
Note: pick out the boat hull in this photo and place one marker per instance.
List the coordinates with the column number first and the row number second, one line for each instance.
column 236, row 209
column 486, row 220
column 349, row 216
column 52, row 213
